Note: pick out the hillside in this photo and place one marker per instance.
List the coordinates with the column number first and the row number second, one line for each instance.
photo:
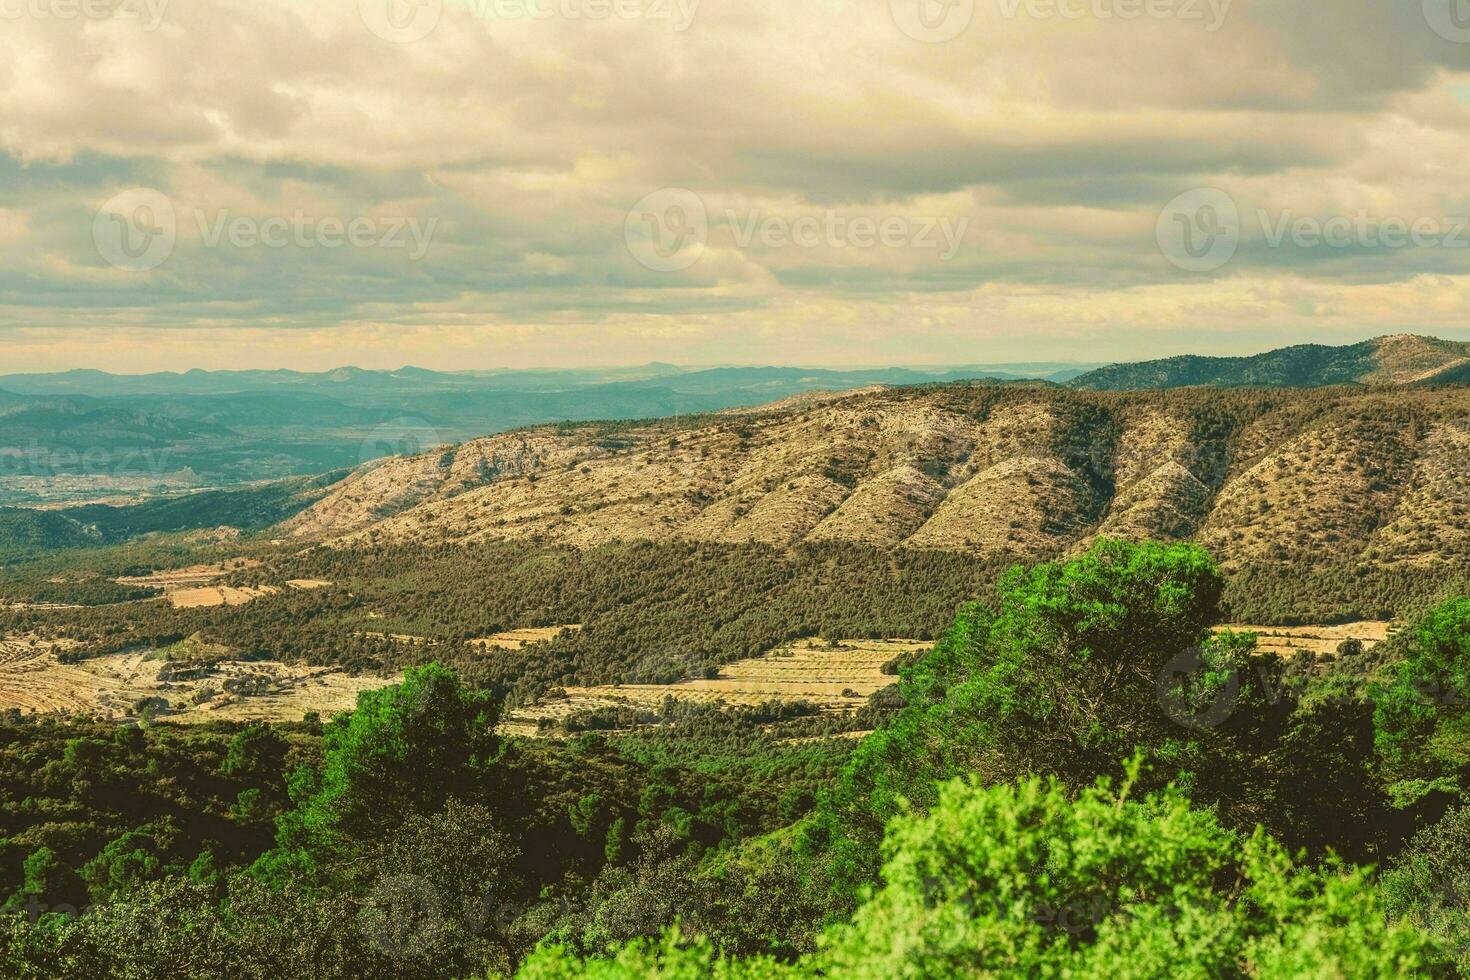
column 26, row 532
column 1257, row 476
column 89, row 435
column 1397, row 360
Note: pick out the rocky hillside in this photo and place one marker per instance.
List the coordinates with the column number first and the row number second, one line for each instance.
column 1258, row 476
column 1399, row 360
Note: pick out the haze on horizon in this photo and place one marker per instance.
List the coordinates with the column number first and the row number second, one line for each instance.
column 472, row 184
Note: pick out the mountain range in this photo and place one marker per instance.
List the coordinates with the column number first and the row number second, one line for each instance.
column 84, row 434
column 1374, row 475
column 1403, row 359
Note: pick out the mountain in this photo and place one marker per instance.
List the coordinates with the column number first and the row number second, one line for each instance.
column 1399, row 360
column 26, row 532
column 1377, row 475
column 82, row 435
column 358, row 386
column 78, row 422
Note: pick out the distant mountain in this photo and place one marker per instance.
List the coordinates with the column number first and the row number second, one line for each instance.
column 26, row 532
column 78, row 422
column 86, row 435
column 358, row 386
column 1374, row 475
column 30, row 532
column 1399, row 360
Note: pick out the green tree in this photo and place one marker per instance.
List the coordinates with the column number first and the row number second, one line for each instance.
column 405, row 750
column 1081, row 662
column 1421, row 725
column 1028, row 880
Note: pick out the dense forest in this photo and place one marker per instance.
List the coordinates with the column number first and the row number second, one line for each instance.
column 1079, row 777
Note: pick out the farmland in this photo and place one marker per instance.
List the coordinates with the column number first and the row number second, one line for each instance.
column 199, row 686
column 838, row 677
column 1321, row 641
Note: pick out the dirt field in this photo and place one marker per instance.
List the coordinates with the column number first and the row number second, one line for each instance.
column 838, row 679
column 191, row 577
column 216, row 595
column 1320, row 640
column 197, row 586
column 194, row 587
column 519, row 639
column 33, row 680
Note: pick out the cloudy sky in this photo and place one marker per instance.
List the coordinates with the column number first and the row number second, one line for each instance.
column 482, row 183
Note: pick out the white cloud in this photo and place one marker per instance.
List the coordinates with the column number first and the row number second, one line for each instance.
column 1055, row 141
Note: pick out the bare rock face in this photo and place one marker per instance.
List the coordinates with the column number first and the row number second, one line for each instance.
column 1255, row 475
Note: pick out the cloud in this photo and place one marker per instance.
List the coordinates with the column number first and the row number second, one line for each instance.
column 1053, row 130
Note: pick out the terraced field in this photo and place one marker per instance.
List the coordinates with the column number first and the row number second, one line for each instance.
column 198, row 586
column 1320, row 641
column 838, row 677
column 33, row 679
column 522, row 638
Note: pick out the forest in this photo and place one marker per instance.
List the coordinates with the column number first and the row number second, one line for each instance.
column 1080, row 777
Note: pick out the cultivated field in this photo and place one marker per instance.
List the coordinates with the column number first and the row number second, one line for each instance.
column 194, row 689
column 198, row 586
column 217, row 595
column 520, row 639
column 838, row 678
column 1321, row 641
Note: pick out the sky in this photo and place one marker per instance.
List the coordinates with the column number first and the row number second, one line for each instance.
column 519, row 183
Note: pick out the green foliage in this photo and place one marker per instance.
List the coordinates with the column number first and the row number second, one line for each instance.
column 127, row 862
column 1026, row 880
column 1421, row 726
column 1081, row 662
column 406, row 749
column 1428, row 885
column 113, row 806
column 411, row 842
column 669, row 958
